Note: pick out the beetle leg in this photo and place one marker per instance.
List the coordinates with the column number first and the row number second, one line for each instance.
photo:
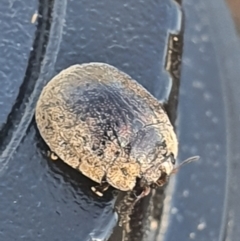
column 162, row 180
column 100, row 189
column 53, row 156
column 144, row 193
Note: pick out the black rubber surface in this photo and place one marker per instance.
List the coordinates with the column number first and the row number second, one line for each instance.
column 17, row 36
column 43, row 200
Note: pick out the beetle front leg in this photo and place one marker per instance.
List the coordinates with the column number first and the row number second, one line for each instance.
column 146, row 190
column 52, row 156
column 99, row 189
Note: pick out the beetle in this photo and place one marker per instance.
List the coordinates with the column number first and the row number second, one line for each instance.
column 100, row 121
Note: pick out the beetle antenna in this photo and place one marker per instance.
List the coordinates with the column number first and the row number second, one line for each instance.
column 188, row 160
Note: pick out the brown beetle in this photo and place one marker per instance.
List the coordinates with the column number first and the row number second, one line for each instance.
column 103, row 123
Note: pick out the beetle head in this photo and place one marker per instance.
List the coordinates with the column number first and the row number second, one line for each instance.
column 167, row 169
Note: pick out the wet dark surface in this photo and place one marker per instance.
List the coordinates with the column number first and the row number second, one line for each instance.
column 17, row 35
column 204, row 200
column 129, row 36
column 197, row 207
column 45, row 200
column 40, row 199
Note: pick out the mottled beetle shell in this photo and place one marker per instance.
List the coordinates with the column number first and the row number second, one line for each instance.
column 103, row 123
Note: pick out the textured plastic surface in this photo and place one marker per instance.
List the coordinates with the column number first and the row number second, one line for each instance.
column 17, row 35
column 133, row 37
column 205, row 201
column 198, row 199
column 41, row 199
